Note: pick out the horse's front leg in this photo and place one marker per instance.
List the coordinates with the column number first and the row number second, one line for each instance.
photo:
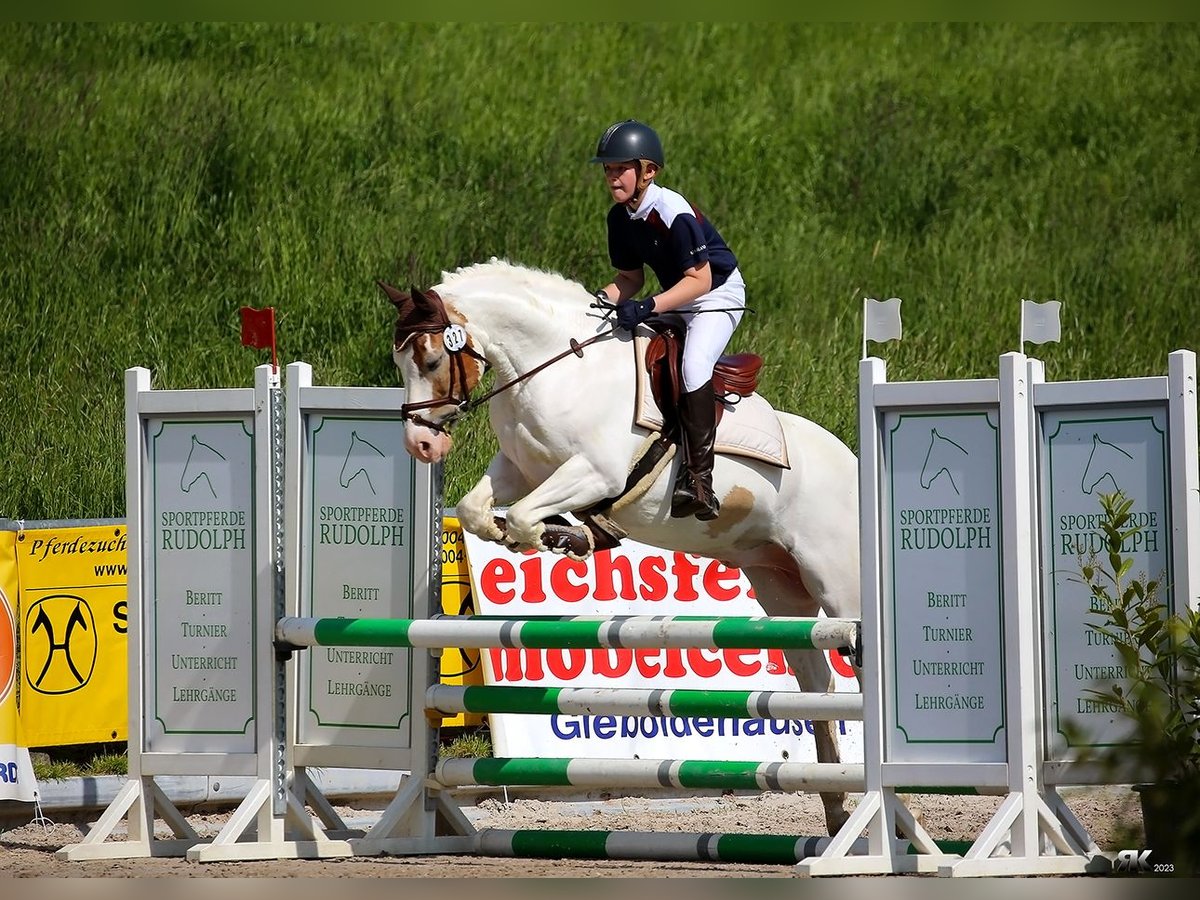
column 501, row 484
column 576, row 484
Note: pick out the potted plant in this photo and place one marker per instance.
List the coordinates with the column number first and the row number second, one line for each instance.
column 1160, row 696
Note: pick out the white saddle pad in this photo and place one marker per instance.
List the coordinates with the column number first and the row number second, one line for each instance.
column 750, row 428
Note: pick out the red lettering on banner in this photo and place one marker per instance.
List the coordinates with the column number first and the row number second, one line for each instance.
column 607, row 566
column 733, row 659
column 605, row 577
column 643, row 658
column 532, row 570
column 652, row 571
column 840, row 665
column 612, row 663
column 674, row 667
column 497, row 573
column 507, row 664
column 565, row 664
column 701, row 664
column 715, row 578
column 534, row 665
column 684, row 571
column 561, row 585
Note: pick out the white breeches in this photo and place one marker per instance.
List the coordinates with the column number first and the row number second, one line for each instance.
column 708, row 333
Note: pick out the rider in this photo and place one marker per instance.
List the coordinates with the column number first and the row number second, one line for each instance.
column 652, row 225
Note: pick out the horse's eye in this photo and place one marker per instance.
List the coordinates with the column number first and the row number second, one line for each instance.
column 432, row 365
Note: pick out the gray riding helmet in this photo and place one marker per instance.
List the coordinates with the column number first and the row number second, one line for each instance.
column 627, row 140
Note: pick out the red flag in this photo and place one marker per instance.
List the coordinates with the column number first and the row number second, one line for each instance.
column 258, row 329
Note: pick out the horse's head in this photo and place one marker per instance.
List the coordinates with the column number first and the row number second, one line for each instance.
column 439, row 367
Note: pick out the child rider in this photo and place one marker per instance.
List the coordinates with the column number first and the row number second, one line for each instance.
column 655, row 226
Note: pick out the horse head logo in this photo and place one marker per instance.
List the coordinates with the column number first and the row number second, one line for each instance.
column 1104, row 462
column 943, row 458
column 361, row 457
column 200, row 457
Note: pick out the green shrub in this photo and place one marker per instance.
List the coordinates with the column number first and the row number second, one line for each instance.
column 1159, row 650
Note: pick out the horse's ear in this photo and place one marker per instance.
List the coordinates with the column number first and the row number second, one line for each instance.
column 393, row 294
column 425, row 301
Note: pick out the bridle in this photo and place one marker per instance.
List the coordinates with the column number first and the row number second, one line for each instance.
column 457, row 345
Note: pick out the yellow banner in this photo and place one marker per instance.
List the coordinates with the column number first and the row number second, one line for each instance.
column 459, row 666
column 71, row 628
column 16, row 771
column 72, row 631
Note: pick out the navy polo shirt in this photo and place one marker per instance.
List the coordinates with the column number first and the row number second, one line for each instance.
column 669, row 235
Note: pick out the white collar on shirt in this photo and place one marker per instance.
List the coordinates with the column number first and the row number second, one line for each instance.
column 649, row 201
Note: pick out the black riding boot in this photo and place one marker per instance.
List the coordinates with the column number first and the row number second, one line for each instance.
column 693, row 487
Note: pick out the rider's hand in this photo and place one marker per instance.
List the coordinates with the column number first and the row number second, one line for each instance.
column 631, row 313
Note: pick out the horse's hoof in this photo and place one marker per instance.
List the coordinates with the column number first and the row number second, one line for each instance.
column 570, row 540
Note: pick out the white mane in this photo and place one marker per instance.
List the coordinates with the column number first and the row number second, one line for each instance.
column 549, row 292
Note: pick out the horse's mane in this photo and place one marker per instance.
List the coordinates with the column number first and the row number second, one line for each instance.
column 549, row 292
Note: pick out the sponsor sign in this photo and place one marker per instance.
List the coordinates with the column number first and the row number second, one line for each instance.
column 943, row 593
column 357, row 562
column 200, row 587
column 637, row 580
column 74, row 614
column 16, row 771
column 1084, row 456
column 458, row 665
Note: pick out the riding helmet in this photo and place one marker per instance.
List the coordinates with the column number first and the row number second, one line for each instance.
column 627, row 140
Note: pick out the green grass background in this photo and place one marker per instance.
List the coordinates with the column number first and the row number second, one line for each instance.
column 154, row 178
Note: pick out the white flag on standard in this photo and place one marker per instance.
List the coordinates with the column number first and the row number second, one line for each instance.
column 1040, row 322
column 881, row 320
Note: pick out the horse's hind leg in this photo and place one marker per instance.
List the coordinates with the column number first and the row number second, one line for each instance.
column 782, row 594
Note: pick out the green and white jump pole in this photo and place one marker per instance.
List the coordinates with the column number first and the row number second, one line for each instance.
column 451, row 699
column 582, row 632
column 650, row 773
column 761, row 849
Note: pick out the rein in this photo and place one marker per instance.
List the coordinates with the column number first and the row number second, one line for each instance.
column 465, row 404
column 455, row 342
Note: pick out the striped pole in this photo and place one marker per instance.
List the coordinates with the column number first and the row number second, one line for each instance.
column 650, row 773
column 584, row 632
column 451, row 699
column 766, row 849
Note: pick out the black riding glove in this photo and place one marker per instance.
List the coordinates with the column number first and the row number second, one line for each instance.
column 632, row 313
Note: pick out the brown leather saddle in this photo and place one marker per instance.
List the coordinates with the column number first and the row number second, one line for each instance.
column 734, row 376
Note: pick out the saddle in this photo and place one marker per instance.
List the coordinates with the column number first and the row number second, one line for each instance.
column 734, row 376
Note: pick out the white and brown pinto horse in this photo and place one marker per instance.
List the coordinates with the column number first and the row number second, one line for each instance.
column 567, row 437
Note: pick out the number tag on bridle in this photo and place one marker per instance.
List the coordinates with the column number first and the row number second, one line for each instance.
column 454, row 338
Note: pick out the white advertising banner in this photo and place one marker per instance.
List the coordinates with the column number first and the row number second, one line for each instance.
column 637, row 580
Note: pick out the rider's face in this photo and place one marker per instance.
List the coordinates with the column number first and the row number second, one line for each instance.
column 621, row 178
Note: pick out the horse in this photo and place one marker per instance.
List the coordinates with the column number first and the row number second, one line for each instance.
column 944, row 457
column 200, row 456
column 1105, row 461
column 563, row 414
